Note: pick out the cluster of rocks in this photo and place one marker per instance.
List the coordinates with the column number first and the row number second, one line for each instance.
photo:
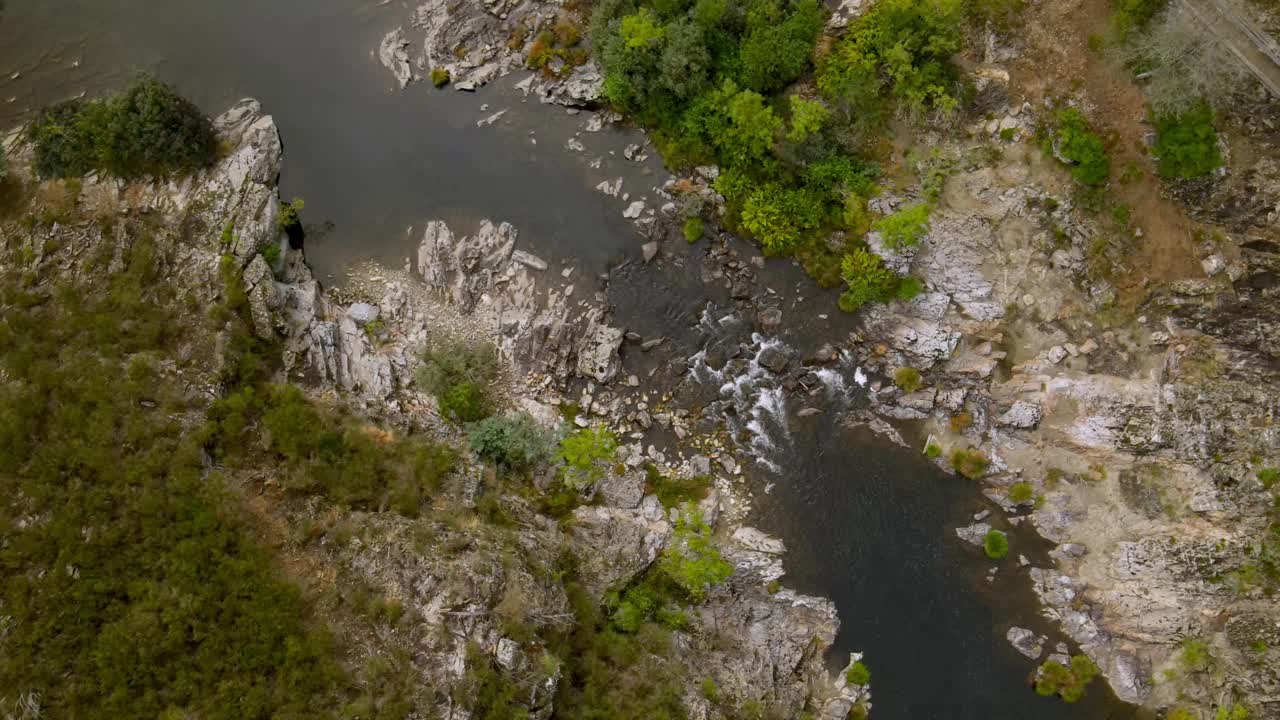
column 477, row 43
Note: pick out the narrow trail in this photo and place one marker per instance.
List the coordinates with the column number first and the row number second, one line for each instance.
column 1256, row 50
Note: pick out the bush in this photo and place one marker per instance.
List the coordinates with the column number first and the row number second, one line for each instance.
column 1195, row 655
column 908, row 379
column 858, row 674
column 780, row 218
column 584, row 453
column 674, row 492
column 516, row 442
column 692, row 560
column 1067, row 682
column 902, row 47
column 905, row 227
column 995, row 544
column 933, row 451
column 693, row 229
column 1233, row 711
column 807, row 117
column 1268, row 476
column 1080, row 148
column 146, row 130
column 969, row 463
column 439, row 77
column 1130, row 16
column 867, row 280
column 1021, row 493
column 1186, row 144
column 459, row 377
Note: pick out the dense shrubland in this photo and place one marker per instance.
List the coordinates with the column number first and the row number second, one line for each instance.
column 745, row 86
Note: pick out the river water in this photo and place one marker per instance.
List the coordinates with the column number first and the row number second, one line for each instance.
column 867, row 524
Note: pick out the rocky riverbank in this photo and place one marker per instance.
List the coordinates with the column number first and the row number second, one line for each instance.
column 1139, row 418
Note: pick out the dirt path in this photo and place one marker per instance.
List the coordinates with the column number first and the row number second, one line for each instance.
column 1059, row 63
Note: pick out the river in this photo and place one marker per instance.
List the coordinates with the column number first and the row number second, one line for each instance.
column 867, row 523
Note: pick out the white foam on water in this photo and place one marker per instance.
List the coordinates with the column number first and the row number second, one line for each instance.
column 860, row 377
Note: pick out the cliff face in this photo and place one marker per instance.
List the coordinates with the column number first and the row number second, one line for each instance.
column 1145, row 429
column 475, row 596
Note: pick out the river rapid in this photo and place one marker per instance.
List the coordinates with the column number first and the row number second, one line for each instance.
column 867, row 523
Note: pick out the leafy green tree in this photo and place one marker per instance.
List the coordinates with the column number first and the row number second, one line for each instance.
column 752, row 126
column 807, row 117
column 779, row 217
column 777, row 46
column 692, row 560
column 583, row 453
column 641, row 29
column 905, row 227
column 685, row 62
column 904, row 47
column 867, row 280
column 1187, row 144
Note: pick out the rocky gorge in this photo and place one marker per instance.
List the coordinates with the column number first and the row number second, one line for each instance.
column 1139, row 412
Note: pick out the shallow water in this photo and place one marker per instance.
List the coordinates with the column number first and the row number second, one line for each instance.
column 867, row 524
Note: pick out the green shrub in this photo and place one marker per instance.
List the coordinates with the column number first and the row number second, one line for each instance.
column 674, row 492
column 867, row 280
column 1181, row 713
column 905, row 227
column 439, row 77
column 780, row 218
column 807, row 118
column 969, row 463
column 516, row 442
column 908, row 288
column 858, row 674
column 933, row 451
column 1129, row 16
column 289, row 213
column 459, row 377
column 1068, row 682
column 693, row 229
column 1233, row 711
column 585, row 454
column 908, row 378
column 902, row 47
column 1187, row 144
column 1268, row 476
column 1021, row 493
column 146, row 130
column 995, row 544
column 692, row 560
column 1081, row 148
column 1195, row 655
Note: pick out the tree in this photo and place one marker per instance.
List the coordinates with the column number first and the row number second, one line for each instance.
column 685, row 61
column 807, row 117
column 1187, row 144
column 751, row 128
column 779, row 217
column 867, row 280
column 1080, row 148
column 692, row 560
column 582, row 452
column 776, row 47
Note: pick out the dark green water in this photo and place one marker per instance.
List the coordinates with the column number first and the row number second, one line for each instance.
column 867, row 524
